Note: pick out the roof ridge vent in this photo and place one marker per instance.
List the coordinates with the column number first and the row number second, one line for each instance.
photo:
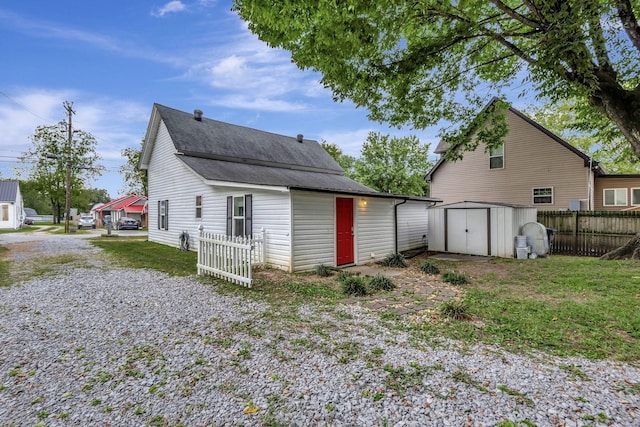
column 300, row 138
column 197, row 114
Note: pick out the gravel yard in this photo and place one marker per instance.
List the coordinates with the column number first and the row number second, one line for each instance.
column 87, row 343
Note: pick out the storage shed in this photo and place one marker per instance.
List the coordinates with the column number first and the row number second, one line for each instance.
column 478, row 228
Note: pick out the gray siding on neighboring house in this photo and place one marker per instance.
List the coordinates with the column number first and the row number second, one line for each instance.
column 532, row 159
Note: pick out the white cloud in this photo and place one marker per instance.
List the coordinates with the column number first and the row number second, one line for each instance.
column 171, row 7
column 350, row 142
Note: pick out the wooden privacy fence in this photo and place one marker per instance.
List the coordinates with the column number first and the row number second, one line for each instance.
column 590, row 233
column 229, row 257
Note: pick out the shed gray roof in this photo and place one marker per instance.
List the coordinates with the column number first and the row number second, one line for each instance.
column 8, row 191
column 224, row 141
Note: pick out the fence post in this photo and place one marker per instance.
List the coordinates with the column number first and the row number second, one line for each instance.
column 576, row 221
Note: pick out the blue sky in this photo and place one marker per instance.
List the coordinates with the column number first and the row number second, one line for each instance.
column 114, row 59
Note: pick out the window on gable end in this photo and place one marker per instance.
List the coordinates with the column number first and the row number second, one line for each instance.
column 496, row 157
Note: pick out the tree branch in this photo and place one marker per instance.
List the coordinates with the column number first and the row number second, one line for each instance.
column 629, row 22
column 517, row 16
column 599, row 44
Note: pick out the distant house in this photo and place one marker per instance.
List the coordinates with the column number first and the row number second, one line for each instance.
column 11, row 205
column 533, row 167
column 234, row 180
column 131, row 206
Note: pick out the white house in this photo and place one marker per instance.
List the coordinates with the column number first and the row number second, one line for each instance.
column 235, row 180
column 11, row 205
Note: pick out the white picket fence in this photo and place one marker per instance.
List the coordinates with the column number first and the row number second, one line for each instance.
column 229, row 257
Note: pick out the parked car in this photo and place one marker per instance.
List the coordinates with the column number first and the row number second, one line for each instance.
column 86, row 222
column 28, row 221
column 127, row 223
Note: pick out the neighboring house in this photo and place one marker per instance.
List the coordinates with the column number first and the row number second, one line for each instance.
column 533, row 167
column 131, row 206
column 235, row 180
column 11, row 205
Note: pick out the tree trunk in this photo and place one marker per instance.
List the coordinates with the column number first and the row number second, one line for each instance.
column 621, row 106
column 630, row 250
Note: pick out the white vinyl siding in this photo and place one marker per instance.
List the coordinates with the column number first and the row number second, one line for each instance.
column 504, row 224
column 543, row 196
column 412, row 225
column 615, row 196
column 313, row 225
column 374, row 229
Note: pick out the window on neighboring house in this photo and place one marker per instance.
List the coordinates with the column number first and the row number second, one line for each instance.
column 163, row 214
column 496, row 157
column 543, row 195
column 615, row 197
column 239, row 217
column 635, row 196
column 5, row 212
column 198, row 206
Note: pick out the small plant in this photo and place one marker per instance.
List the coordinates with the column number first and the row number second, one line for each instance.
column 429, row 267
column 454, row 278
column 381, row 283
column 355, row 286
column 344, row 275
column 394, row 260
column 455, row 309
column 323, row 270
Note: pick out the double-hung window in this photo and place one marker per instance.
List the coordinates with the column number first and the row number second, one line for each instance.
column 198, row 207
column 496, row 157
column 163, row 214
column 615, row 197
column 239, row 217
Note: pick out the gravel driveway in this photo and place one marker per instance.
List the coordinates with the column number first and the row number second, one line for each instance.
column 86, row 343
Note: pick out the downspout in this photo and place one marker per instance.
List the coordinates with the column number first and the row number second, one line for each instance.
column 395, row 220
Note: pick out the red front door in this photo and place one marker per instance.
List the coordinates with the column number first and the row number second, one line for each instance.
column 344, row 231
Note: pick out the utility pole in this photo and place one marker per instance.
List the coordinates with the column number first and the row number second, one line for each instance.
column 67, row 205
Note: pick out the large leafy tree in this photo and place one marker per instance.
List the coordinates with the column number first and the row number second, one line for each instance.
column 345, row 161
column 423, row 61
column 394, row 164
column 48, row 158
column 135, row 179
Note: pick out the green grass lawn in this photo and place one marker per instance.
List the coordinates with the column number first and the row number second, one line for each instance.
column 561, row 305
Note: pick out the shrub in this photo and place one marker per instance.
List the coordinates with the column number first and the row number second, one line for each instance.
column 381, row 283
column 429, row 267
column 323, row 271
column 454, row 278
column 344, row 275
column 354, row 285
column 394, row 260
column 454, row 309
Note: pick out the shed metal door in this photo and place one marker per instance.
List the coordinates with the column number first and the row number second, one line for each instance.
column 467, row 231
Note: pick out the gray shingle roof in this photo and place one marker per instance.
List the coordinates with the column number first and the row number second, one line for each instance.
column 223, row 141
column 8, row 191
column 218, row 170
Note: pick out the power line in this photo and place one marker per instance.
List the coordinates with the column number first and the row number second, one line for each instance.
column 23, row 107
